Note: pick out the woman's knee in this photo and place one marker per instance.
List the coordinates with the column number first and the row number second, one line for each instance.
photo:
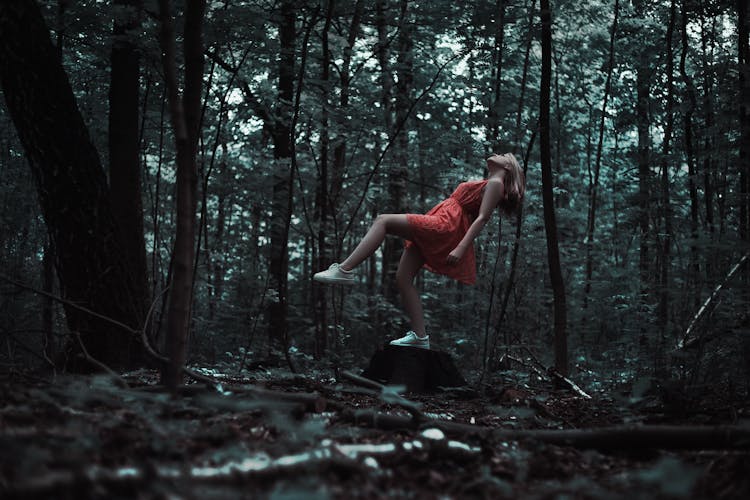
column 383, row 220
column 404, row 280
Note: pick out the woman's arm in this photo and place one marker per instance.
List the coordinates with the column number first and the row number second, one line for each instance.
column 493, row 193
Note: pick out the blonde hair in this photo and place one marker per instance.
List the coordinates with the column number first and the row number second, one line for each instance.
column 515, row 184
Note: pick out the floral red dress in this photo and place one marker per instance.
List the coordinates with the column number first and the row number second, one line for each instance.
column 440, row 230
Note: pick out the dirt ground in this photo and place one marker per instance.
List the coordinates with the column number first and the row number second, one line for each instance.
column 273, row 435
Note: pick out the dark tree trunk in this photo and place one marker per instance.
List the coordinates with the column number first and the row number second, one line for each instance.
column 399, row 171
column 690, row 154
column 282, row 177
column 124, row 140
column 390, row 247
column 185, row 113
column 339, row 152
column 48, row 306
column 591, row 225
column 224, row 200
column 517, row 133
column 497, row 73
column 666, row 209
column 643, row 76
column 321, row 253
column 550, row 223
column 386, row 79
column 71, row 185
column 330, row 179
column 743, row 27
column 708, row 138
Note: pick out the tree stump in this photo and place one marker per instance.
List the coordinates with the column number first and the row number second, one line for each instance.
column 420, row 370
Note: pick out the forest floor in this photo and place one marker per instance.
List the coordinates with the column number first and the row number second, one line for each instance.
column 270, row 434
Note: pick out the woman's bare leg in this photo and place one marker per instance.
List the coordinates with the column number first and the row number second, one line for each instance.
column 410, row 264
column 395, row 224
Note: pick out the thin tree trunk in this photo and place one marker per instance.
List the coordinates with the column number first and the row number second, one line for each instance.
column 497, row 74
column 321, row 196
column 185, row 114
column 330, row 180
column 743, row 27
column 591, row 225
column 708, row 152
column 282, row 178
column 550, row 223
column 396, row 174
column 517, row 134
column 223, row 201
column 339, row 152
column 690, row 154
column 489, row 352
column 399, row 172
column 666, row 209
column 643, row 76
column 48, row 306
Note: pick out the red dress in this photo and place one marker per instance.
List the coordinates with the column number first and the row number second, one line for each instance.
column 441, row 229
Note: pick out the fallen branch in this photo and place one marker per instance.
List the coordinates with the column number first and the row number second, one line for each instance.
column 90, row 359
column 312, row 402
column 380, row 391
column 628, row 437
column 559, row 377
column 95, row 477
column 686, row 341
column 647, row 437
column 551, row 372
column 346, row 459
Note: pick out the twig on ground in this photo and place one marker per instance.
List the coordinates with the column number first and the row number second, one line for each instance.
column 551, row 372
column 89, row 358
column 413, row 408
column 627, row 437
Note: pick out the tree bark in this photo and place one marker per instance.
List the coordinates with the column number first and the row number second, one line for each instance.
column 550, row 223
column 71, row 185
column 124, row 140
column 398, row 174
column 708, row 152
column 690, row 152
column 185, row 114
column 321, row 195
column 743, row 28
column 517, row 134
column 666, row 209
column 497, row 73
column 643, row 76
column 48, row 306
column 282, row 177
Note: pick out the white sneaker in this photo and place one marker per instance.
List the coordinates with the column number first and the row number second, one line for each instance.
column 334, row 275
column 411, row 340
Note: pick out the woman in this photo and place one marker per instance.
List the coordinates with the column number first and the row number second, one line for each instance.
column 440, row 240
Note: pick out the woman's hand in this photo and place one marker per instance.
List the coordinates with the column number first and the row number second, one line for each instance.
column 455, row 255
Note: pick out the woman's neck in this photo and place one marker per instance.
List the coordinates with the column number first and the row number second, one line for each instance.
column 498, row 174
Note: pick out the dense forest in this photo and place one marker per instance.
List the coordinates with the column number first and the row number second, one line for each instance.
column 172, row 174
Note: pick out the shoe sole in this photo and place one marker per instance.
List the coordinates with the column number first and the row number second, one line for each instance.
column 335, row 281
column 412, row 345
